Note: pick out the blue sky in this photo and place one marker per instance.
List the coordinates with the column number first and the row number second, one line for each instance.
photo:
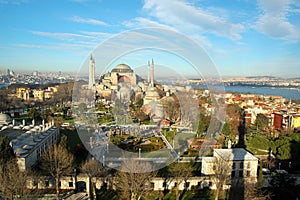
column 242, row 37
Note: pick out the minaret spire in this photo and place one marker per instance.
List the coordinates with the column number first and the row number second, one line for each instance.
column 91, row 72
column 152, row 74
column 149, row 72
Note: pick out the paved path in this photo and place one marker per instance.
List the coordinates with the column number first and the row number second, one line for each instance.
column 77, row 196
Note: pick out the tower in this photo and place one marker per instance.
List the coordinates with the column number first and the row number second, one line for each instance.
column 92, row 73
column 148, row 71
column 152, row 74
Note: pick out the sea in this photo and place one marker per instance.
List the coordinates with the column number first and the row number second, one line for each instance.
column 288, row 93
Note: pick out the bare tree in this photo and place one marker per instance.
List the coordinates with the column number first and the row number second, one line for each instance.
column 180, row 172
column 171, row 108
column 13, row 181
column 133, row 179
column 93, row 169
column 57, row 161
column 189, row 107
column 222, row 170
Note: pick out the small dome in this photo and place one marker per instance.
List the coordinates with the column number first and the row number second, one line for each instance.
column 152, row 92
column 5, row 119
column 122, row 68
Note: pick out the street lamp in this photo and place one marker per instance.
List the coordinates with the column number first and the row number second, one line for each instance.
column 140, row 152
column 279, row 165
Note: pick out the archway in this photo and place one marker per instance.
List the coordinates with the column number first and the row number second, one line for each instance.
column 81, row 186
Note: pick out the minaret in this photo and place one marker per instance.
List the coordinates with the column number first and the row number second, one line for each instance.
column 92, row 73
column 152, row 74
column 149, row 72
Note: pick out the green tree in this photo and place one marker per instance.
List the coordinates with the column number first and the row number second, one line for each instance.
column 64, row 141
column 233, row 116
column 260, row 175
column 261, row 122
column 6, row 151
column 282, row 147
column 284, row 187
column 203, row 123
column 33, row 113
column 226, row 129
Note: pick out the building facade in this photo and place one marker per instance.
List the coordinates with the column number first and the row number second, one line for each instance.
column 243, row 164
column 30, row 142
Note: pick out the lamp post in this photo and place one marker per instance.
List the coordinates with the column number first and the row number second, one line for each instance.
column 75, row 180
column 140, row 152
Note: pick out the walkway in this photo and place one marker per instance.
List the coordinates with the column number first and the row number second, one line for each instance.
column 77, row 196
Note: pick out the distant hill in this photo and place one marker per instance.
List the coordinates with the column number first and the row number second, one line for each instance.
column 269, row 77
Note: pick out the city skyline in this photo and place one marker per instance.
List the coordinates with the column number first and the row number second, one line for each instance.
column 243, row 38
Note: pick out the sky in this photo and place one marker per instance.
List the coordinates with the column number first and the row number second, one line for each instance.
column 240, row 37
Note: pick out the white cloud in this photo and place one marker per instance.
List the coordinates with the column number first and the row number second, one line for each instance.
column 85, row 39
column 274, row 20
column 88, row 21
column 55, row 47
column 184, row 16
column 141, row 22
column 100, row 35
column 62, row 36
column 145, row 23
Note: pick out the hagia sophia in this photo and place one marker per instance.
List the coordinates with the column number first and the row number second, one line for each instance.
column 123, row 81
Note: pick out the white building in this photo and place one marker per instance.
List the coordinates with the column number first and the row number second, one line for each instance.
column 29, row 142
column 242, row 163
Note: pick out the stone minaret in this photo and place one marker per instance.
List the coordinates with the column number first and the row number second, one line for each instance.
column 149, row 72
column 92, row 73
column 152, row 74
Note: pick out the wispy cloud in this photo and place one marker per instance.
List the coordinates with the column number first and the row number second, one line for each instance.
column 274, row 20
column 55, row 47
column 62, row 36
column 98, row 35
column 148, row 23
column 184, row 16
column 70, row 41
column 144, row 22
column 88, row 21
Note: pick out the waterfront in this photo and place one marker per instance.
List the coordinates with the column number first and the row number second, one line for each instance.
column 275, row 91
column 288, row 93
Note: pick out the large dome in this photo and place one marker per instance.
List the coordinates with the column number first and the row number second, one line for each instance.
column 122, row 68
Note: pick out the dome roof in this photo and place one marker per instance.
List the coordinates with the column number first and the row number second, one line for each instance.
column 123, row 68
column 4, row 118
column 152, row 92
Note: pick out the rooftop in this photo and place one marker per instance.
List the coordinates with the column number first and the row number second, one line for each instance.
column 24, row 139
column 235, row 154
